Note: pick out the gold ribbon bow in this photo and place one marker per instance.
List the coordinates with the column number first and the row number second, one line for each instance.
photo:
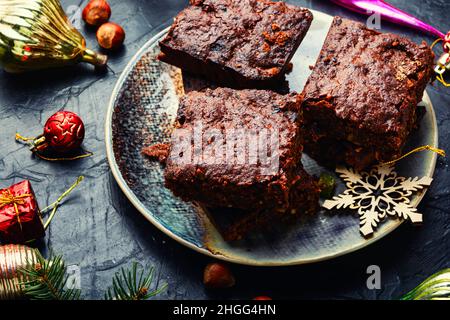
column 8, row 198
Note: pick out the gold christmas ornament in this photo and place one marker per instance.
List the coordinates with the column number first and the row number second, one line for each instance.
column 12, row 259
column 377, row 194
column 36, row 34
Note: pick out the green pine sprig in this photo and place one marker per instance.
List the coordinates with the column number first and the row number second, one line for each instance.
column 47, row 280
column 128, row 285
column 436, row 287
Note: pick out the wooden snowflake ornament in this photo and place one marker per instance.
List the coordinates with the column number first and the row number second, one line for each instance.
column 377, row 194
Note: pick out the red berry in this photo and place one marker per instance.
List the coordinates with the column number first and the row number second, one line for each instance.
column 64, row 131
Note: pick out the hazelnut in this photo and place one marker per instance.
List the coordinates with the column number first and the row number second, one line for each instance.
column 96, row 12
column 110, row 36
column 218, row 275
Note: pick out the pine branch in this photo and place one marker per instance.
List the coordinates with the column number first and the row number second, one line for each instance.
column 128, row 286
column 47, row 280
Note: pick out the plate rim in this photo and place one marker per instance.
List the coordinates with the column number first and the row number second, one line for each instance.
column 233, row 259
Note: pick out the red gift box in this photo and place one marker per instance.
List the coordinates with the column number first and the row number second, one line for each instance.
column 20, row 218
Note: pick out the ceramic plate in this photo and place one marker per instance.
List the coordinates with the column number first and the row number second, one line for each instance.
column 141, row 112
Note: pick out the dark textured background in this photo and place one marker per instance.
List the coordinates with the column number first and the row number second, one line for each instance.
column 98, row 229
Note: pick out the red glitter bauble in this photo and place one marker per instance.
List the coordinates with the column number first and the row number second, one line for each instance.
column 446, row 44
column 64, row 131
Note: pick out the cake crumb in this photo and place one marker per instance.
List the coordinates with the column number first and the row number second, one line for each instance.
column 157, row 151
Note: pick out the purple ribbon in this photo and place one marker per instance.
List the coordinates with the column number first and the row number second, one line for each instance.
column 388, row 12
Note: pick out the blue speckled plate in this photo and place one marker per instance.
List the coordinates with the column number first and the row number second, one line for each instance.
column 141, row 112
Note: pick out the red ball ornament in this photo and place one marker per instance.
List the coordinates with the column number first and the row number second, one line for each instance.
column 63, row 132
column 446, row 43
column 61, row 140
